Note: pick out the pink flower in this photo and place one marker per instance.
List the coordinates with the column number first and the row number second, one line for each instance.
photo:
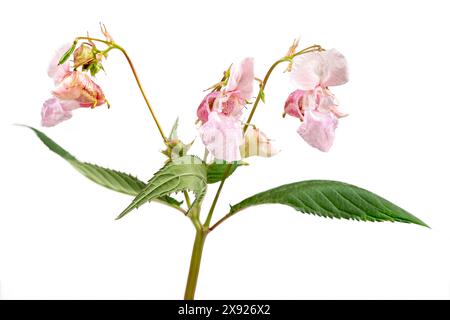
column 59, row 72
column 220, row 113
column 232, row 99
column 256, row 143
column 222, row 136
column 80, row 87
column 313, row 103
column 55, row 111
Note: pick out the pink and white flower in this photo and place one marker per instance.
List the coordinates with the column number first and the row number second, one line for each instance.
column 313, row 103
column 220, row 113
column 232, row 99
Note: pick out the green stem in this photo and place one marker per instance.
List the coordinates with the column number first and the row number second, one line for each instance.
column 161, row 132
column 261, row 89
column 194, row 268
column 116, row 46
column 216, row 197
column 188, row 199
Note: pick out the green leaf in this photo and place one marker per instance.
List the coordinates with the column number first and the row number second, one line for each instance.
column 216, row 170
column 111, row 179
column 186, row 173
column 263, row 96
column 68, row 53
column 331, row 199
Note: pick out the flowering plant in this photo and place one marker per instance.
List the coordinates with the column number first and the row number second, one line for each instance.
column 227, row 135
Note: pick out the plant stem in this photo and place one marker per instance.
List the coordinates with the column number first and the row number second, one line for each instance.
column 261, row 89
column 216, row 197
column 161, row 132
column 194, row 268
column 188, row 200
column 116, row 46
column 225, row 217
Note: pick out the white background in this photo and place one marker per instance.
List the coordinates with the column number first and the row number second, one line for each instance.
column 58, row 237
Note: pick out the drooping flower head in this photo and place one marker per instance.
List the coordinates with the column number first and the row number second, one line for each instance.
column 73, row 89
column 313, row 103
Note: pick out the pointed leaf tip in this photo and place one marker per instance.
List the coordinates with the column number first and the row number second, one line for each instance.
column 187, row 173
column 108, row 178
column 331, row 199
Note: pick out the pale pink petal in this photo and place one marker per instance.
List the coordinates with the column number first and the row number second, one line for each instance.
column 222, row 136
column 310, row 100
column 318, row 129
column 335, row 71
column 70, row 105
column 53, row 113
column 294, row 104
column 256, row 143
column 241, row 78
column 206, row 106
column 307, row 70
column 59, row 72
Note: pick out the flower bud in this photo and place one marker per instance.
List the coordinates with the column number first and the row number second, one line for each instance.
column 176, row 149
column 87, row 57
column 256, row 143
column 84, row 55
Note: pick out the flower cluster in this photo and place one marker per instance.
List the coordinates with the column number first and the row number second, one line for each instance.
column 313, row 103
column 222, row 130
column 220, row 113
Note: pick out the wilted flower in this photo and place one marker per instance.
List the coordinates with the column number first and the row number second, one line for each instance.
column 313, row 103
column 74, row 89
column 80, row 87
